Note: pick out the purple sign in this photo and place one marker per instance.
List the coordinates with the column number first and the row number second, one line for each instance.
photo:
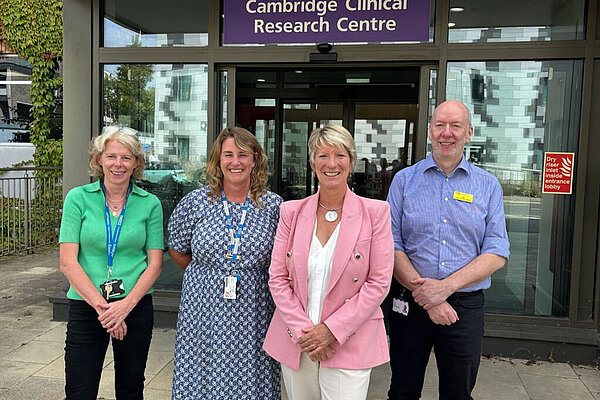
column 316, row 21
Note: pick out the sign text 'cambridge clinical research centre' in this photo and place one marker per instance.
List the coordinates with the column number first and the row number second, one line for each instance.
column 316, row 21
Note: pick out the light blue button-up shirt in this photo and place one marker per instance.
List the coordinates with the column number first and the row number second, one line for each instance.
column 436, row 225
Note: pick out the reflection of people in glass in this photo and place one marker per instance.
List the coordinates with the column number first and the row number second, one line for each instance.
column 330, row 270
column 360, row 177
column 292, row 175
column 225, row 302
column 110, row 286
column 386, row 178
column 153, row 160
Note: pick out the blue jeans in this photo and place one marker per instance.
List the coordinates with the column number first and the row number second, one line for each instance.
column 86, row 346
column 457, row 348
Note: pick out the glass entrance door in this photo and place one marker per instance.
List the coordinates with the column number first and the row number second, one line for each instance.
column 378, row 106
column 299, row 120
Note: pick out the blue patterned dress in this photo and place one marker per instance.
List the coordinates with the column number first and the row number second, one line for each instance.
column 218, row 347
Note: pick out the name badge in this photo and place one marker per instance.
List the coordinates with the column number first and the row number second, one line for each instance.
column 400, row 306
column 463, row 197
column 112, row 288
column 231, row 287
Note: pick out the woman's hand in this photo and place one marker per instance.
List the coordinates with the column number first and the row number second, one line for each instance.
column 114, row 314
column 316, row 342
column 119, row 332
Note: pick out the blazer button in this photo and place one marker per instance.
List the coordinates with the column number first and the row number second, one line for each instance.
column 288, row 254
column 355, row 280
column 347, row 300
column 289, row 278
column 357, row 256
column 289, row 332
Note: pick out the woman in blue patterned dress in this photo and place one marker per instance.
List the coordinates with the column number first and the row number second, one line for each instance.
column 222, row 236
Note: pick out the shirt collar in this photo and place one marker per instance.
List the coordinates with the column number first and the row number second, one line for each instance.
column 95, row 187
column 464, row 165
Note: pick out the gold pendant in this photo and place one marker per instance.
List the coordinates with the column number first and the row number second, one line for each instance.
column 114, row 213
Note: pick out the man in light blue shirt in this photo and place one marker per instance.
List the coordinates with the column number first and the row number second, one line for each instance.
column 449, row 237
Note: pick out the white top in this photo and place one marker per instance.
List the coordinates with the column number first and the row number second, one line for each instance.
column 320, row 260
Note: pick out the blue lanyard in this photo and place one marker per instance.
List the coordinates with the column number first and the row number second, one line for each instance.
column 234, row 240
column 112, row 240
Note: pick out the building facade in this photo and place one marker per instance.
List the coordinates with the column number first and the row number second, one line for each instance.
column 529, row 70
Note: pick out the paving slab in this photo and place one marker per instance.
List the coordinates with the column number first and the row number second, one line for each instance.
column 56, row 335
column 6, row 349
column 495, row 370
column 163, row 380
column 13, row 338
column 35, row 388
column 154, row 394
column 36, row 352
column 544, row 387
column 163, row 340
column 544, row 368
column 488, row 390
column 14, row 372
column 380, row 382
column 591, row 379
column 55, row 370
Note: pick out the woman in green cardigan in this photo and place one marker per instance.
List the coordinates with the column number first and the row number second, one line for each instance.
column 111, row 249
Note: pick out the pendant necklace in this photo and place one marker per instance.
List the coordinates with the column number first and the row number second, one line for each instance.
column 331, row 215
column 114, row 205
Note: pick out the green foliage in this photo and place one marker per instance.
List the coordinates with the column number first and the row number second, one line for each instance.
column 33, row 29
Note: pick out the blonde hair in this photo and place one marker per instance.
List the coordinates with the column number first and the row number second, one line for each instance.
column 331, row 135
column 126, row 137
column 245, row 141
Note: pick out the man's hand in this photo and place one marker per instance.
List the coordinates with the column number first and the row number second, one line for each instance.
column 443, row 314
column 430, row 292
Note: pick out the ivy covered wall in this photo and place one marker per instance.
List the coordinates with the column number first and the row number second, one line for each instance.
column 33, row 30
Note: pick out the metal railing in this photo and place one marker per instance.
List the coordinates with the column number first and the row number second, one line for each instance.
column 30, row 208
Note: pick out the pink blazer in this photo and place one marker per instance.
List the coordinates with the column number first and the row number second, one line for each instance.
column 360, row 279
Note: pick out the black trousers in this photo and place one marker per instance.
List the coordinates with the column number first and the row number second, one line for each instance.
column 457, row 348
column 86, row 346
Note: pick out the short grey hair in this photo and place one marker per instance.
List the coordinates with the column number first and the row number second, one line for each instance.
column 127, row 137
column 331, row 135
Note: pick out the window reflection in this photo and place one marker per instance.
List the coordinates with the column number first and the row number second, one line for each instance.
column 167, row 106
column 521, row 110
column 473, row 21
column 152, row 23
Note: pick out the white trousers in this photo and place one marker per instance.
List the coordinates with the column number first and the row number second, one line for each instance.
column 313, row 382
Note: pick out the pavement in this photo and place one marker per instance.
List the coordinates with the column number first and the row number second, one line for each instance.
column 32, row 351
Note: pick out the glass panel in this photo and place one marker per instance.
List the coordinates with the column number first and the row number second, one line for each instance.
column 15, row 85
column 256, row 79
column 167, row 105
column 522, row 109
column 299, row 120
column 382, row 133
column 473, row 21
column 153, row 23
column 224, row 99
column 258, row 117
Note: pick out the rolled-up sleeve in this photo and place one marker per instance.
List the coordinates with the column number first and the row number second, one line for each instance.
column 495, row 240
column 395, row 199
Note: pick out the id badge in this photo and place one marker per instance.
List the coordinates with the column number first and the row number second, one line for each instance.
column 400, row 306
column 112, row 288
column 230, row 287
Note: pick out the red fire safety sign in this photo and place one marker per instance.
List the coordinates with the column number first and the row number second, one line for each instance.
column 558, row 173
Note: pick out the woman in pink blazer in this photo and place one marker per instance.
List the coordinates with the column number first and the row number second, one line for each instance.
column 330, row 270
